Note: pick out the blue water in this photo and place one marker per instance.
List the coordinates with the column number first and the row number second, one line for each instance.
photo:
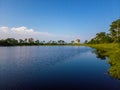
column 54, row 68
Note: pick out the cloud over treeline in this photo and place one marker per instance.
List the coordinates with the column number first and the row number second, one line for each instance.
column 24, row 32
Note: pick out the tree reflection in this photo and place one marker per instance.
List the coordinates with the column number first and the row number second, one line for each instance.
column 114, row 61
column 100, row 54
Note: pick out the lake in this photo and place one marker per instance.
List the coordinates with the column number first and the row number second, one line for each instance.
column 54, row 68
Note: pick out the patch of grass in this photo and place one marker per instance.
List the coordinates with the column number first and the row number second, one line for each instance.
column 113, row 53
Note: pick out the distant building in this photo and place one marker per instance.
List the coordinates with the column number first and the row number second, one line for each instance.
column 77, row 41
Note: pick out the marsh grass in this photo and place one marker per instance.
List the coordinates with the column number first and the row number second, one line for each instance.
column 112, row 51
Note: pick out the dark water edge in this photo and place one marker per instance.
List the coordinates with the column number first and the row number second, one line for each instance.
column 54, row 68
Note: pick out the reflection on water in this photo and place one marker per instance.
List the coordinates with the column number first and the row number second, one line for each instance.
column 114, row 61
column 115, row 65
column 100, row 54
column 55, row 68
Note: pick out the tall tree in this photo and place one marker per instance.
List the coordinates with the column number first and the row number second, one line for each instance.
column 115, row 30
column 61, row 42
column 31, row 40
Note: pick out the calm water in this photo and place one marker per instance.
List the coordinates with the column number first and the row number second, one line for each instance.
column 54, row 68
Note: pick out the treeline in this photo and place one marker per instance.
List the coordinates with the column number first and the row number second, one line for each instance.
column 29, row 41
column 112, row 37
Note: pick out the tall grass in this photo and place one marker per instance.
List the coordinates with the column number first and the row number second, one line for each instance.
column 113, row 53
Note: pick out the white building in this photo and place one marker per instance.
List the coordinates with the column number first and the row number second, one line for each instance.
column 77, row 41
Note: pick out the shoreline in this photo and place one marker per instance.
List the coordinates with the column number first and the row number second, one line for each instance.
column 112, row 51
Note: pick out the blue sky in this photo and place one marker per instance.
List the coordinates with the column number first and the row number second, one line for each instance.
column 64, row 19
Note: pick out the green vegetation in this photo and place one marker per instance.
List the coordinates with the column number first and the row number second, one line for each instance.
column 112, row 51
column 108, row 45
column 30, row 42
column 112, row 37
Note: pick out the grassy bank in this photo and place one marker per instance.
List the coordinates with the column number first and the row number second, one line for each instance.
column 109, row 48
column 112, row 51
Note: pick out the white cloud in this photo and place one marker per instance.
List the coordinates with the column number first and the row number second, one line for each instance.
column 22, row 29
column 24, row 32
column 4, row 29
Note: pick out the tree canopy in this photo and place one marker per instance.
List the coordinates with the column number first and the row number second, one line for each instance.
column 112, row 36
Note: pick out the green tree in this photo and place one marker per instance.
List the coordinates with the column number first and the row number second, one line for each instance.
column 21, row 41
column 61, row 42
column 72, row 42
column 86, row 41
column 52, row 42
column 11, row 41
column 115, row 30
column 101, row 37
column 25, row 40
column 37, row 42
column 31, row 40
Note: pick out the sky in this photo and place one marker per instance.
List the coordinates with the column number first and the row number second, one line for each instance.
column 57, row 19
